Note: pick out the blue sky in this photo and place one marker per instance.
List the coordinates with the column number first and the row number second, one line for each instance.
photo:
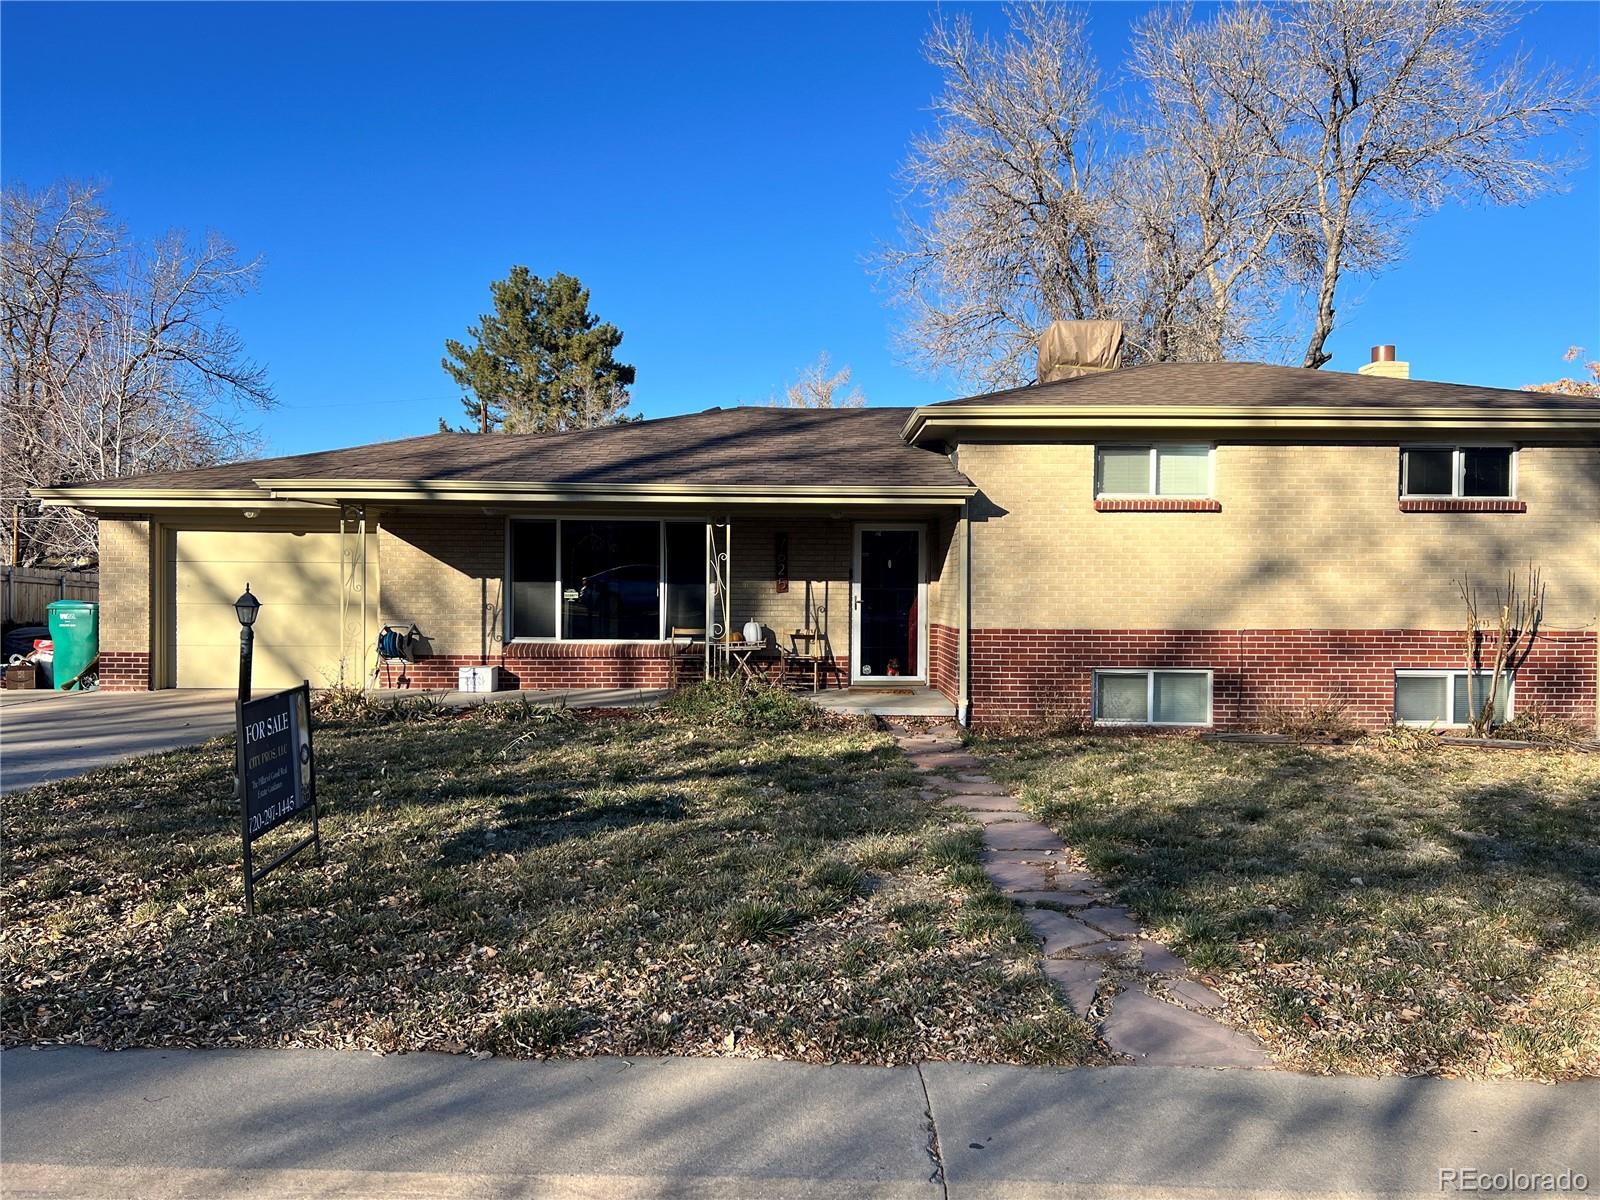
column 717, row 175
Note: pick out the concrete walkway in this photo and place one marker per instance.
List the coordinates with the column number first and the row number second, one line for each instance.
column 1111, row 972
column 300, row 1123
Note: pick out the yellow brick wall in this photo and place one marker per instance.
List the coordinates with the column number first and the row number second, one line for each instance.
column 443, row 572
column 125, row 585
column 1309, row 536
column 944, row 570
column 820, row 550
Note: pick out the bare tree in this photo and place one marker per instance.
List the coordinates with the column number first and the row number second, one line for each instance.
column 1384, row 109
column 1568, row 385
column 1506, row 640
column 117, row 359
column 1204, row 203
column 1004, row 227
column 1260, row 155
column 816, row 387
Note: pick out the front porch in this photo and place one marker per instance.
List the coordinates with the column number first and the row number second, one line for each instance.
column 861, row 608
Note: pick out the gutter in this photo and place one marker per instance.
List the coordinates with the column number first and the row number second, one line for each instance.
column 313, row 494
column 1568, row 421
column 401, row 490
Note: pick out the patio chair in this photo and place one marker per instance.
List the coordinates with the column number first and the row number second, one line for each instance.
column 803, row 661
column 688, row 655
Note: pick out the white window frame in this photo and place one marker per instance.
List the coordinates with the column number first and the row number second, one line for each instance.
column 661, row 523
column 1153, row 475
column 1150, row 674
column 1458, row 470
column 920, row 674
column 1448, row 674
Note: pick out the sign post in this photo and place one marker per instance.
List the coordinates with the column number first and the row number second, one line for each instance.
column 278, row 778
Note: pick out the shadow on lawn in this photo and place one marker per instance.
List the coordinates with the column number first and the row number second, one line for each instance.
column 1228, row 842
column 545, row 820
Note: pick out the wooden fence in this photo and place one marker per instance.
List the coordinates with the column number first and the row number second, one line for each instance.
column 26, row 593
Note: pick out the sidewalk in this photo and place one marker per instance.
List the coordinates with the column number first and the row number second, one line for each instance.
column 302, row 1123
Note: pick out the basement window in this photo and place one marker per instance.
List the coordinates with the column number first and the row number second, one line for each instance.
column 1457, row 473
column 605, row 581
column 1148, row 697
column 1129, row 472
column 1440, row 697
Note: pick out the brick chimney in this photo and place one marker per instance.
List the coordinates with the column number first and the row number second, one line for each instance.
column 1384, row 364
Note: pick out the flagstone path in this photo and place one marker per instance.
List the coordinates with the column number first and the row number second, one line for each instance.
column 1138, row 992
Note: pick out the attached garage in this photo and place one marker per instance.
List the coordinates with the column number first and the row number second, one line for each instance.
column 298, row 577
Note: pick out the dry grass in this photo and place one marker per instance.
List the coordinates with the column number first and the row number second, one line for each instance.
column 1391, row 907
column 504, row 882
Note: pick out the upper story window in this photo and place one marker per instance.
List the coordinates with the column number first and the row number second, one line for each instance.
column 1457, row 473
column 1169, row 471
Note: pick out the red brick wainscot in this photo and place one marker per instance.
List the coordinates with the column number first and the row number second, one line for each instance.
column 124, row 671
column 944, row 662
column 534, row 666
column 539, row 665
column 1040, row 673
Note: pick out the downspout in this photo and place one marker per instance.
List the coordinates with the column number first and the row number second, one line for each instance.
column 344, row 590
column 963, row 648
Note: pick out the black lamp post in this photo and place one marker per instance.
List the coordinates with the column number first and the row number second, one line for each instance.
column 246, row 606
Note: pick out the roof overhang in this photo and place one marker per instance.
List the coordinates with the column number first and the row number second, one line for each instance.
column 140, row 499
column 478, row 491
column 311, row 494
column 952, row 422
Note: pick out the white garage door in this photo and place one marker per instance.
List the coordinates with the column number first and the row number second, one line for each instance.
column 297, row 578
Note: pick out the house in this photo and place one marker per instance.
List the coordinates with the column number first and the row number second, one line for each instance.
column 1171, row 544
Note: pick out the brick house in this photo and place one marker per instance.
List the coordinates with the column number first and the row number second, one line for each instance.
column 1182, row 544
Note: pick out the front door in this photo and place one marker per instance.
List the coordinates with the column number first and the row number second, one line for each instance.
column 888, row 604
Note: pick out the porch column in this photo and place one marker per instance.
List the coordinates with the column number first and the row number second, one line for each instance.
column 964, row 688
column 719, row 601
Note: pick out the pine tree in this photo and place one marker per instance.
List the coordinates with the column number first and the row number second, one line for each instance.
column 541, row 362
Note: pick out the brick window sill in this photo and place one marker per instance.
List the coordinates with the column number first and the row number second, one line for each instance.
column 1157, row 505
column 1463, row 506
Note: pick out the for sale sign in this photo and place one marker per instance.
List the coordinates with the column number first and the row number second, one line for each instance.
column 277, row 768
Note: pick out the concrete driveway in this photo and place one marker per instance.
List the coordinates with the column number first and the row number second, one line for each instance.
column 47, row 735
column 53, row 735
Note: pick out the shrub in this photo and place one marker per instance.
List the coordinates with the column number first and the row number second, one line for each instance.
column 1534, row 724
column 742, row 703
column 522, row 711
column 1320, row 721
column 348, row 705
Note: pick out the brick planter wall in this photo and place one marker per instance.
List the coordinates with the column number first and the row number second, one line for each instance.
column 1029, row 673
column 536, row 665
column 124, row 671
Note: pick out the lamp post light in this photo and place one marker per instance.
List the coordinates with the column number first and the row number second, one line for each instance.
column 247, row 607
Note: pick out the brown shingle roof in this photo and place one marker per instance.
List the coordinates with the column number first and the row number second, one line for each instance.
column 734, row 447
column 1201, row 384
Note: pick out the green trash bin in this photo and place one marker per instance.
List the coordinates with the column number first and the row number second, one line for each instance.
column 75, row 630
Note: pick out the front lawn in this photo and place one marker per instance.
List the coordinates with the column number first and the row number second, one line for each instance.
column 652, row 884
column 1388, row 907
